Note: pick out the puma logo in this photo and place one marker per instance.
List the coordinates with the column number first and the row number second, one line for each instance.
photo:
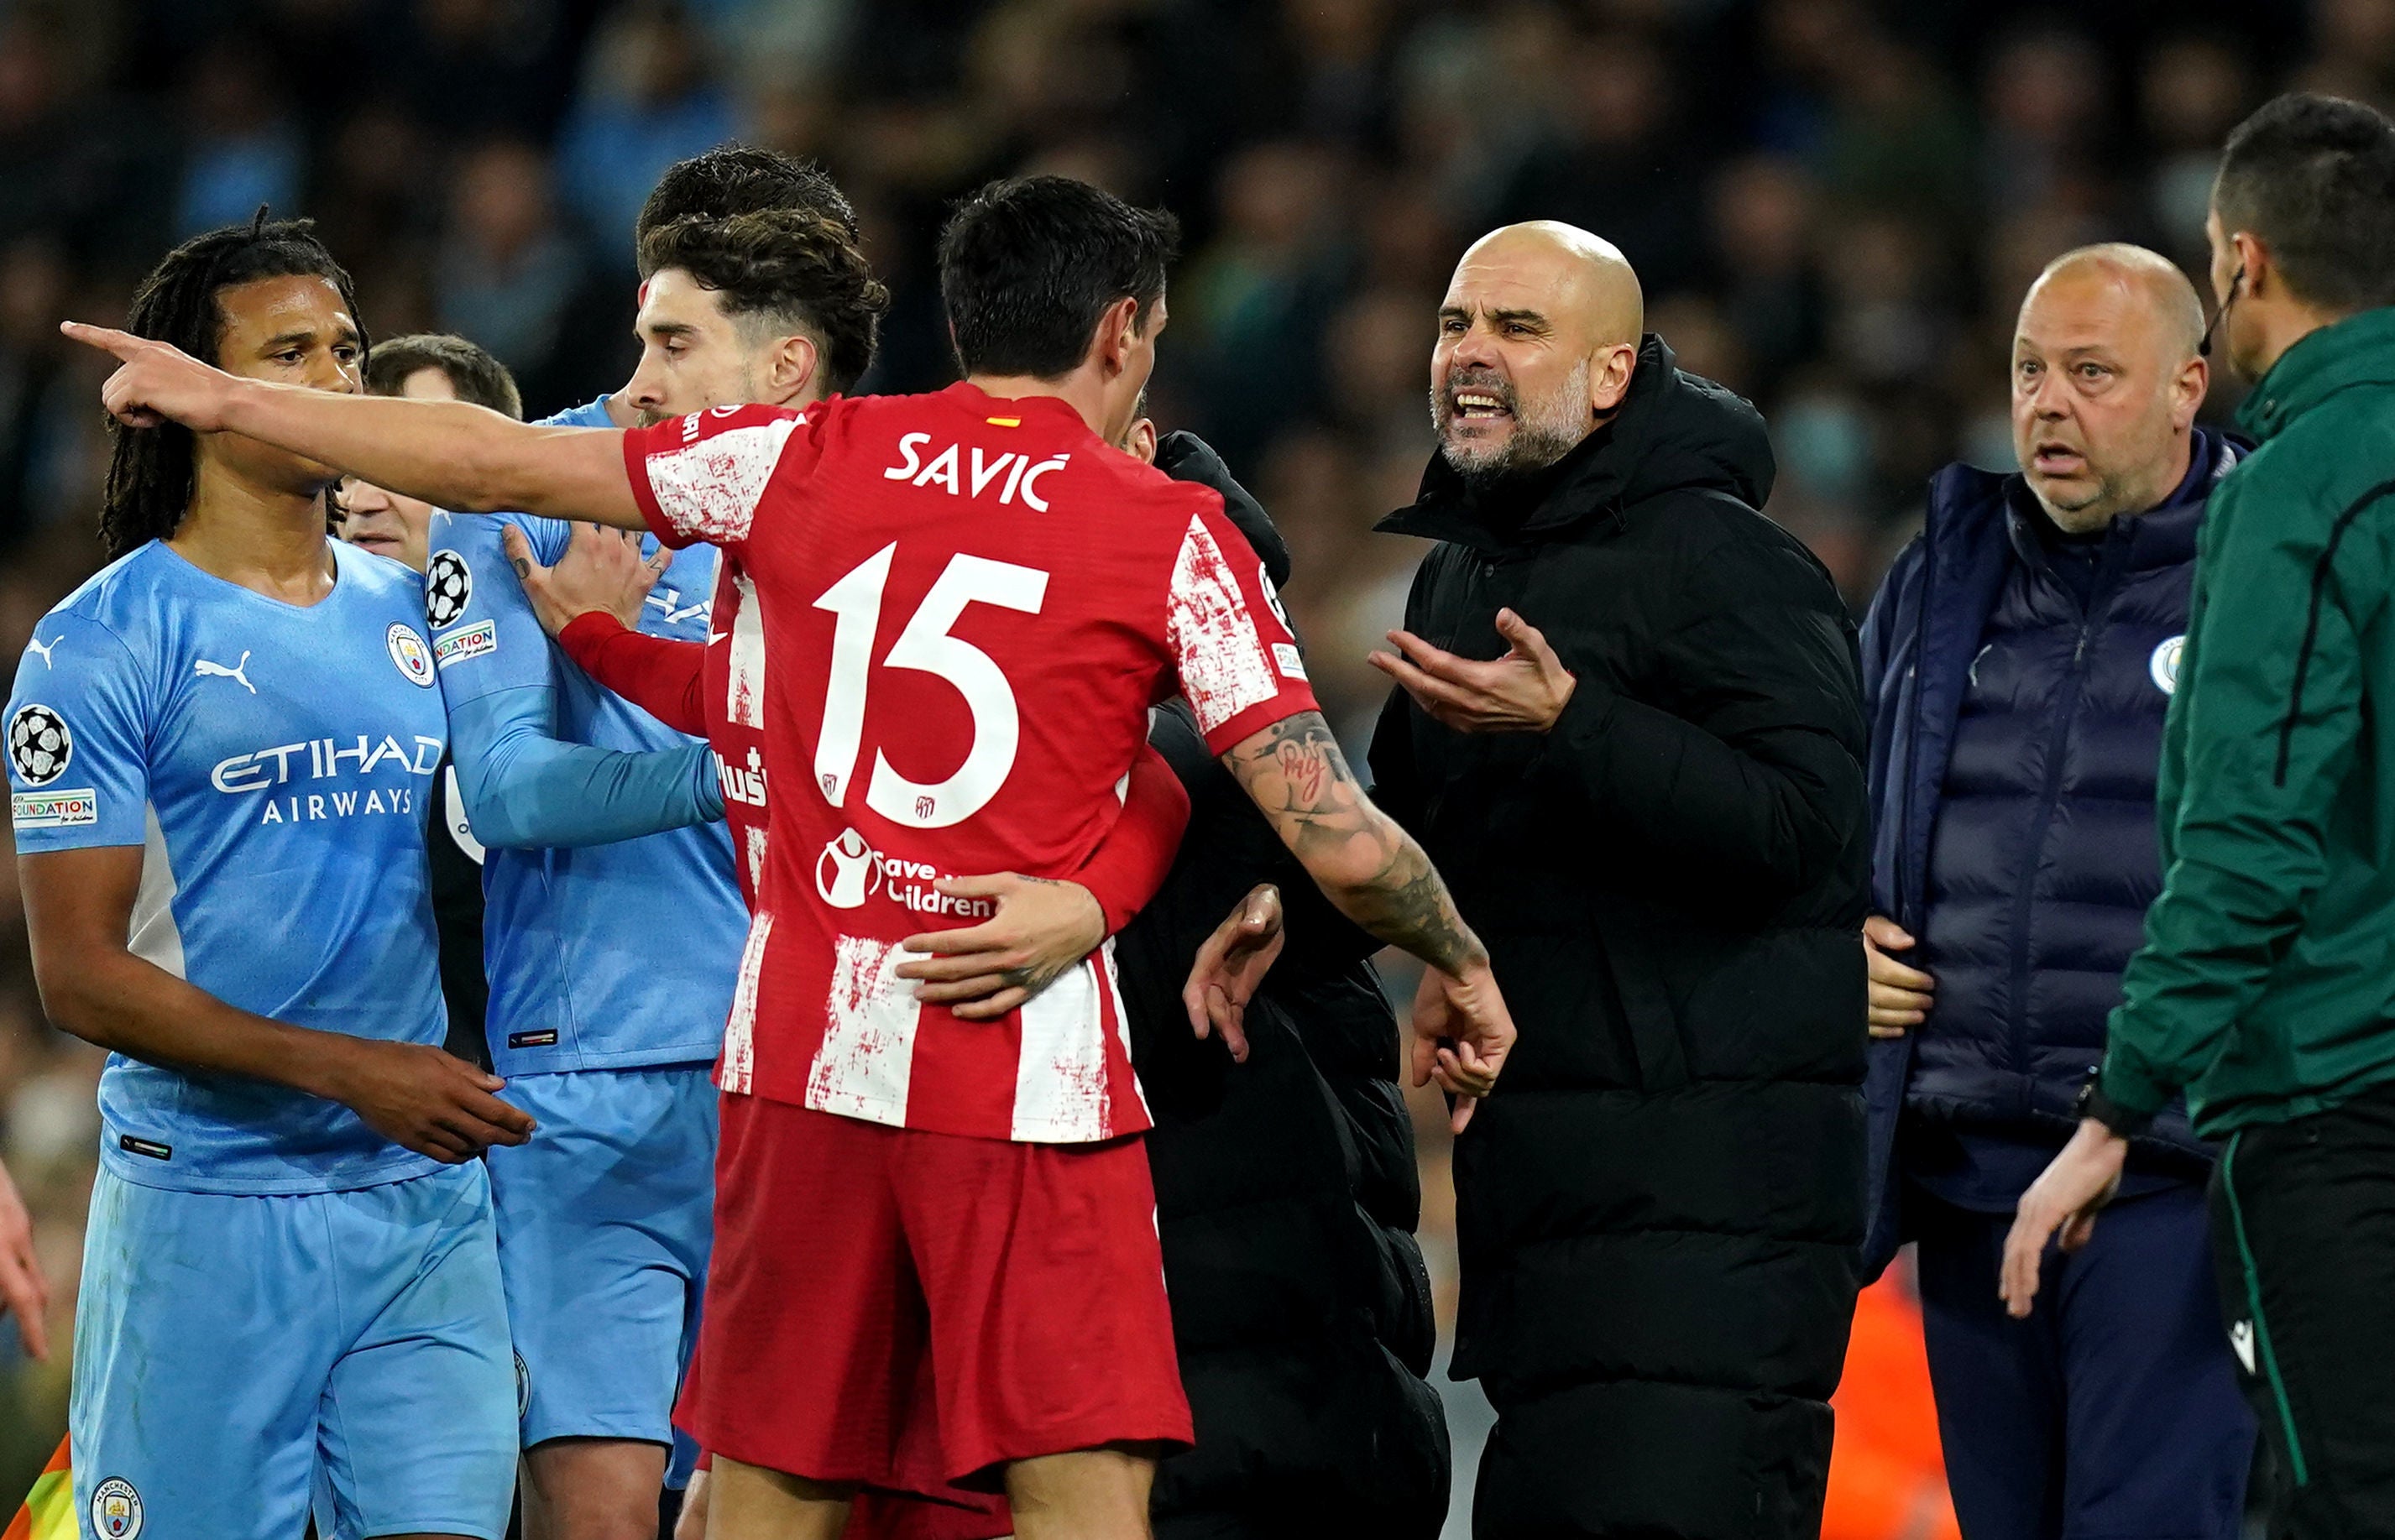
column 35, row 644
column 208, row 670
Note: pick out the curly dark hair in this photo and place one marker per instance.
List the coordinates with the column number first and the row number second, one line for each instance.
column 795, row 268
column 739, row 179
column 151, row 470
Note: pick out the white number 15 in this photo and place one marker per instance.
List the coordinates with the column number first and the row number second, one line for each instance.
column 925, row 646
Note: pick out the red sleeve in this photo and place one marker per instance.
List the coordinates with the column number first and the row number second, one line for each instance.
column 703, row 477
column 1129, row 865
column 1238, row 661
column 662, row 677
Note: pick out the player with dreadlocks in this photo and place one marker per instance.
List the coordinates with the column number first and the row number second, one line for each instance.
column 218, row 749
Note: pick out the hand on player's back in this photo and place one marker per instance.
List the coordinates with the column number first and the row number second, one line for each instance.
column 417, row 1096
column 602, row 570
column 1043, row 929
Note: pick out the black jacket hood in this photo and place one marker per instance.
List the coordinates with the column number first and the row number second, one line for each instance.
column 1186, row 457
column 1675, row 431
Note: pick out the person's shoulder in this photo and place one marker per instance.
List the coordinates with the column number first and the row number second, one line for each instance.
column 2316, row 467
column 1723, row 550
column 377, row 576
column 127, row 596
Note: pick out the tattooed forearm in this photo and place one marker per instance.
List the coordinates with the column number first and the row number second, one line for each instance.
column 1366, row 864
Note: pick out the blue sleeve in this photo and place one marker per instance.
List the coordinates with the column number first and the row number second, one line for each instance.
column 526, row 790
column 78, row 739
column 484, row 635
column 524, row 787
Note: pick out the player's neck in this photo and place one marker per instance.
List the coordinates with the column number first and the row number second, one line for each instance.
column 270, row 541
column 1083, row 390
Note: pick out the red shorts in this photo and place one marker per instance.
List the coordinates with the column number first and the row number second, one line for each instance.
column 903, row 1310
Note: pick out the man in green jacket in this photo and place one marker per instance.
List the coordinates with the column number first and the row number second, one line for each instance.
column 2266, row 989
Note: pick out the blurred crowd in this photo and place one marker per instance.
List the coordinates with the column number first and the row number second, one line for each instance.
column 1834, row 206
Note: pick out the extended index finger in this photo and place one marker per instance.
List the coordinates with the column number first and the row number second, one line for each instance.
column 107, row 339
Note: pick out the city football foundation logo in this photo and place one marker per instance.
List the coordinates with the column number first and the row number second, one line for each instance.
column 2163, row 664
column 448, row 584
column 116, row 1509
column 39, row 745
column 407, row 651
column 846, row 873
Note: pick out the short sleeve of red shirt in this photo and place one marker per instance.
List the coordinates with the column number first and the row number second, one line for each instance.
column 1238, row 661
column 702, row 477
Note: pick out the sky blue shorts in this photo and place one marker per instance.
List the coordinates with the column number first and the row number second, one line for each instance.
column 238, row 1356
column 605, row 1221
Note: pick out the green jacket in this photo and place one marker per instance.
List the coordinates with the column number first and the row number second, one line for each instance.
column 2265, row 988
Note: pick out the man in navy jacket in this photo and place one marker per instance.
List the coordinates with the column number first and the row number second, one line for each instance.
column 2018, row 664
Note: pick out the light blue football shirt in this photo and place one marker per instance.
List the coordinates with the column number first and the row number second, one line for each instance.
column 600, row 956
column 271, row 762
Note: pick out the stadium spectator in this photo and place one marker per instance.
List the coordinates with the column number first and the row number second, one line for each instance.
column 2018, row 664
column 240, row 152
column 1642, row 757
column 508, row 272
column 2261, row 990
column 648, row 102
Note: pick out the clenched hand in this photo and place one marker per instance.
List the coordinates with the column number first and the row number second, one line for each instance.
column 1462, row 1032
column 1900, row 996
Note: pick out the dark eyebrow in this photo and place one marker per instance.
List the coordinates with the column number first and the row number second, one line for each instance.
column 1525, row 317
column 297, row 338
column 670, row 328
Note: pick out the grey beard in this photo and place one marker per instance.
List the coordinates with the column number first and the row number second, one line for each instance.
column 1526, row 450
column 1539, row 440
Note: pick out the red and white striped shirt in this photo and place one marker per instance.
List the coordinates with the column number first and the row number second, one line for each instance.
column 963, row 607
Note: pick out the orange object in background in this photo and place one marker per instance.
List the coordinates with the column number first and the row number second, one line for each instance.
column 1887, row 1474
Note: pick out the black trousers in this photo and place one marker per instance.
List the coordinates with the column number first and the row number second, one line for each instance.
column 2303, row 1240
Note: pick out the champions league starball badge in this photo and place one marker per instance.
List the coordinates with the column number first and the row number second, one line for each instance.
column 39, row 745
column 448, row 584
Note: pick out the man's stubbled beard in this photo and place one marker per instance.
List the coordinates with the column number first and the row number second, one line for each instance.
column 1543, row 434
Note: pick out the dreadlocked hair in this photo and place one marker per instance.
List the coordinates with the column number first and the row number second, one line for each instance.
column 151, row 470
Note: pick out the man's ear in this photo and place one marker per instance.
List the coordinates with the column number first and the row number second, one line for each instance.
column 1117, row 331
column 1610, row 380
column 2188, row 392
column 792, row 365
column 2260, row 267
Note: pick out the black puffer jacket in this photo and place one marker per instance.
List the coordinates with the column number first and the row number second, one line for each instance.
column 1285, row 1191
column 1659, row 1209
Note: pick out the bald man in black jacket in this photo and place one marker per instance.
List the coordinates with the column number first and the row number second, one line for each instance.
column 1630, row 731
